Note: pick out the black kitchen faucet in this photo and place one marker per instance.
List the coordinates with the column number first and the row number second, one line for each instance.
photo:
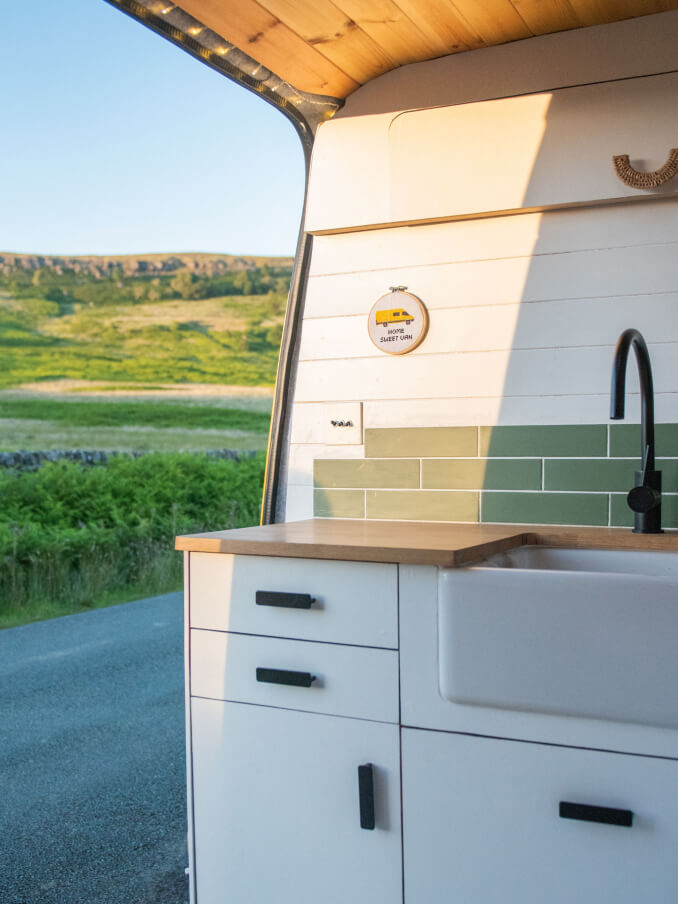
column 645, row 499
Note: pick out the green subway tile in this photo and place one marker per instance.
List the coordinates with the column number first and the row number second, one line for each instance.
column 430, row 442
column 596, row 475
column 422, row 505
column 359, row 472
column 481, row 473
column 625, row 439
column 615, row 475
column 578, row 440
column 545, row 508
column 339, row 503
column 622, row 516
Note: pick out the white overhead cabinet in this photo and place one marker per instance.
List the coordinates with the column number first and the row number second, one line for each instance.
column 538, row 151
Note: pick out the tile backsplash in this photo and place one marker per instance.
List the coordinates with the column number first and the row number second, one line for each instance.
column 563, row 474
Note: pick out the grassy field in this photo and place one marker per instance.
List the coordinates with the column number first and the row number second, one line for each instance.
column 142, row 331
column 171, row 366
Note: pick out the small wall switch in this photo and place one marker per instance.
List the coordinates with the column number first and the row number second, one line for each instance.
column 343, row 422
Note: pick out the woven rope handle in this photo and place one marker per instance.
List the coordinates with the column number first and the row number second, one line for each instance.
column 635, row 179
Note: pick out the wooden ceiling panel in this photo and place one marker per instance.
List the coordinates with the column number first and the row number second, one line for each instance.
column 395, row 33
column 441, row 23
column 595, row 12
column 495, row 21
column 333, row 34
column 331, row 47
column 547, row 16
column 267, row 40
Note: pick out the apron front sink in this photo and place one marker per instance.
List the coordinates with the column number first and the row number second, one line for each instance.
column 590, row 633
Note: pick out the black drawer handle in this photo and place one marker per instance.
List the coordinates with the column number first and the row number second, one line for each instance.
column 608, row 815
column 366, row 795
column 285, row 676
column 283, row 600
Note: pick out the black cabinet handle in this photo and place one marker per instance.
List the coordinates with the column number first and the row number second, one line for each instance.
column 285, row 676
column 283, row 600
column 366, row 795
column 608, row 815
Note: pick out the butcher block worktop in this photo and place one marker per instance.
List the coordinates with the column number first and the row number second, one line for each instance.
column 411, row 542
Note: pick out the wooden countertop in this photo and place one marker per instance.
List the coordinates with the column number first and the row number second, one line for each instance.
column 412, row 542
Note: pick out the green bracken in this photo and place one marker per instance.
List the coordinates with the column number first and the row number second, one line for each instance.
column 74, row 537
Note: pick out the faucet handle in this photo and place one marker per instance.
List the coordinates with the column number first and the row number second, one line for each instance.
column 643, row 498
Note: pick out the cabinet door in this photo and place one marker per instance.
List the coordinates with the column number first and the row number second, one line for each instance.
column 277, row 807
column 482, row 823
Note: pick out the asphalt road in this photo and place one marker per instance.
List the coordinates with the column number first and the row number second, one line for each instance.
column 92, row 780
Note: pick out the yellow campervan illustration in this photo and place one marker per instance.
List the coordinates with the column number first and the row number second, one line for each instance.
column 397, row 315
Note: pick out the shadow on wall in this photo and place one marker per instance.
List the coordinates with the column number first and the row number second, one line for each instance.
column 594, row 272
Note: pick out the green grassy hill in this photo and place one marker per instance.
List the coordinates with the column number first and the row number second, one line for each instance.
column 191, row 324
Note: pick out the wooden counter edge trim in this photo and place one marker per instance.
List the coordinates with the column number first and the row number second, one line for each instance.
column 601, row 538
column 434, row 554
column 406, row 555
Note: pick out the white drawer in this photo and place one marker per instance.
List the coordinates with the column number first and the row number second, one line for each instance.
column 349, row 681
column 488, row 814
column 354, row 602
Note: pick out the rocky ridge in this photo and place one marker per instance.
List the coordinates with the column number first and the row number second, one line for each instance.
column 103, row 266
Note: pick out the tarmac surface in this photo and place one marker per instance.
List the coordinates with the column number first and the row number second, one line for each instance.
column 92, row 762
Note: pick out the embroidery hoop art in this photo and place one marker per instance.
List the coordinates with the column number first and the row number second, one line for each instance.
column 398, row 301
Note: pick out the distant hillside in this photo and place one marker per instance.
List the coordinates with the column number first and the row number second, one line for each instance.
column 201, row 318
column 139, row 265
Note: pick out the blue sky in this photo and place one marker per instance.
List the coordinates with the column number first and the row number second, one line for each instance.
column 113, row 140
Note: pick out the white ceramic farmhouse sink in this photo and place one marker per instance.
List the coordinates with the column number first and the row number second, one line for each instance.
column 590, row 633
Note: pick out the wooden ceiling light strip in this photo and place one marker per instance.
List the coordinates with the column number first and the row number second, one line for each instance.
column 333, row 34
column 263, row 36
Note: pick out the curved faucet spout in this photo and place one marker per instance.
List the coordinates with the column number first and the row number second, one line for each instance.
column 645, row 497
column 627, row 339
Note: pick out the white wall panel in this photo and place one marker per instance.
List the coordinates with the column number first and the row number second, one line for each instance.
column 650, row 223
column 532, row 372
column 552, row 324
column 629, row 270
column 299, row 503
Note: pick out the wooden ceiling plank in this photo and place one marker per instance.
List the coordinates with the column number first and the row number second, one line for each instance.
column 395, row 33
column 333, row 34
column 442, row 24
column 597, row 12
column 267, row 40
column 495, row 21
column 547, row 16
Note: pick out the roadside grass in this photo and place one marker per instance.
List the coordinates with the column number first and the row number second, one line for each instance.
column 74, row 538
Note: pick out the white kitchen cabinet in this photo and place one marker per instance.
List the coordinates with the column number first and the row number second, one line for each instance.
column 282, row 715
column 482, row 824
column 277, row 810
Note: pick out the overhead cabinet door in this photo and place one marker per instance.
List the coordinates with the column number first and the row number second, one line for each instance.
column 537, row 151
column 279, row 802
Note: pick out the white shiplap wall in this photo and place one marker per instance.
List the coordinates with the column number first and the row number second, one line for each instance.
column 525, row 310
